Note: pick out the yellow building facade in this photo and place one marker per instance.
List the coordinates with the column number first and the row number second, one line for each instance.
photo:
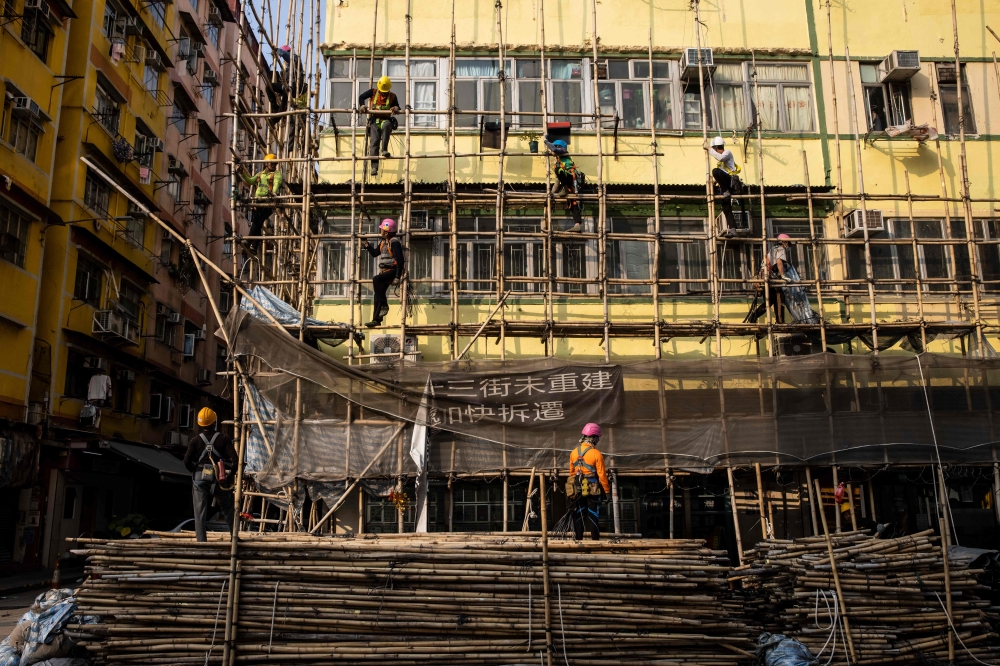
column 843, row 100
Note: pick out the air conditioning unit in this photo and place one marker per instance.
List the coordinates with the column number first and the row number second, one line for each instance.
column 691, row 58
column 854, row 224
column 199, row 334
column 214, row 15
column 108, row 322
column 154, row 144
column 899, row 66
column 155, row 406
column 174, row 165
column 389, row 344
column 174, row 438
column 175, row 318
column 25, row 106
column 184, row 417
column 795, row 345
column 200, row 197
column 153, row 59
column 204, row 377
column 189, row 345
column 210, row 77
column 198, row 49
column 36, row 413
column 95, row 363
column 126, row 375
column 135, row 210
column 133, row 26
column 743, row 220
column 41, row 7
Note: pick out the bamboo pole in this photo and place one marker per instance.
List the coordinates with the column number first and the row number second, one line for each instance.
column 546, row 591
column 945, row 542
column 736, row 516
column 760, row 502
column 836, row 576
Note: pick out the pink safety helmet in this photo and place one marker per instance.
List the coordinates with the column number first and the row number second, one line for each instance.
column 388, row 224
column 591, row 429
column 784, row 237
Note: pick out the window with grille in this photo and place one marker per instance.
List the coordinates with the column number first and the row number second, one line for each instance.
column 886, row 104
column 106, row 109
column 14, row 228
column 24, row 134
column 476, row 253
column 129, row 300
column 97, row 194
column 36, row 33
column 89, row 274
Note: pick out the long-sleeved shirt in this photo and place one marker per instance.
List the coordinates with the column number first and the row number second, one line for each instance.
column 726, row 160
column 268, row 182
column 587, row 460
column 223, row 448
column 395, row 248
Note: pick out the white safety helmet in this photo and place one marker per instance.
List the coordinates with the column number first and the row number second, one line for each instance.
column 717, row 142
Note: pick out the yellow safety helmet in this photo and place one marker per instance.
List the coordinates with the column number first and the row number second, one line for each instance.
column 206, row 417
column 384, row 84
column 270, row 156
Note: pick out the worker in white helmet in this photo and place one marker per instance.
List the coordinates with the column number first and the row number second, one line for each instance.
column 728, row 183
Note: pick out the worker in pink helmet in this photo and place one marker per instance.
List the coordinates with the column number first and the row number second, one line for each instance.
column 775, row 266
column 586, row 465
column 388, row 268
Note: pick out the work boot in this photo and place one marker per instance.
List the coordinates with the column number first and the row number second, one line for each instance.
column 373, row 323
column 558, row 189
column 576, row 228
column 385, row 153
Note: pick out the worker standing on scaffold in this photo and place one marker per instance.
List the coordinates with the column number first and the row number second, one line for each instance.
column 728, row 183
column 389, row 254
column 383, row 122
column 586, row 469
column 570, row 179
column 267, row 184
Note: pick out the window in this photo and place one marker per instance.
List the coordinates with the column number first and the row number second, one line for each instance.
column 625, row 99
column 479, row 507
column 477, row 88
column 629, row 259
column 129, row 300
column 424, row 85
column 164, row 331
column 783, row 97
column 220, row 358
column 683, row 260
column 948, row 89
column 77, row 375
column 529, row 91
column 333, row 255
column 174, row 185
column 209, row 81
column 203, row 149
column 523, row 257
column 135, row 230
column 896, row 262
column 88, row 280
column 106, row 109
column 566, row 89
column 662, row 86
column 143, row 148
column 158, row 12
column 151, row 78
column 573, row 265
column 5, row 114
column 800, row 254
column 729, row 98
column 885, row 104
column 112, row 28
column 178, row 117
column 197, row 213
column 989, row 255
column 97, row 194
column 23, row 133
column 166, row 251
column 212, row 32
column 476, row 259
column 35, row 33
column 121, row 392
column 13, row 234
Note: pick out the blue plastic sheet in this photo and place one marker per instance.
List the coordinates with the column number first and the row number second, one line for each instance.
column 46, row 618
column 779, row 650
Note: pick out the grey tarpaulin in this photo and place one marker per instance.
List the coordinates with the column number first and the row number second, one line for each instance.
column 688, row 414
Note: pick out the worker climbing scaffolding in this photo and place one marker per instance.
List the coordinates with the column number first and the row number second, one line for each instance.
column 267, row 185
column 381, row 105
column 728, row 183
column 569, row 178
column 389, row 256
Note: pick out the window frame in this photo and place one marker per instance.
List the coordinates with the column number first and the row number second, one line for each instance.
column 949, row 88
column 94, row 186
column 10, row 216
column 780, row 85
column 889, row 98
column 107, row 109
column 36, row 34
column 93, row 272
column 24, row 134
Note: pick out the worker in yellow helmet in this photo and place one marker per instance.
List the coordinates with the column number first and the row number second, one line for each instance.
column 266, row 184
column 380, row 124
column 211, row 459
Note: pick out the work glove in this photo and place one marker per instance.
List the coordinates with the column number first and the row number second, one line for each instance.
column 394, row 110
column 363, row 109
column 786, row 278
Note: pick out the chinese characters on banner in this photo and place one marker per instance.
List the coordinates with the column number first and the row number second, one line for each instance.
column 552, row 398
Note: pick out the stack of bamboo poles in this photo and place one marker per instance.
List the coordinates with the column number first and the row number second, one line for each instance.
column 893, row 592
column 412, row 599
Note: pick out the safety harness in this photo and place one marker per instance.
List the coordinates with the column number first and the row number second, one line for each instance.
column 207, row 475
column 580, row 465
column 386, row 260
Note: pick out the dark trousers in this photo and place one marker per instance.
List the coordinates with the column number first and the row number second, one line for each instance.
column 776, row 301
column 572, row 204
column 732, row 185
column 586, row 513
column 380, row 285
column 202, row 501
column 378, row 141
column 257, row 220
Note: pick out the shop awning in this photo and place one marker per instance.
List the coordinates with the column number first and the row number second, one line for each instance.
column 170, row 468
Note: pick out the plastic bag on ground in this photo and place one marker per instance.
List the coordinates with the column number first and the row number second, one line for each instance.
column 779, row 650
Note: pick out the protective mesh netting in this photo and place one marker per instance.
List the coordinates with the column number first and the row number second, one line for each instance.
column 685, row 414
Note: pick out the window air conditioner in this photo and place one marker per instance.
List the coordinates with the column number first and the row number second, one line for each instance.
column 899, row 66
column 155, row 406
column 690, row 60
column 133, row 26
column 154, row 144
column 199, row 334
column 153, row 59
column 795, row 345
column 214, row 15
column 174, row 438
column 25, row 106
column 210, row 77
column 204, row 376
column 174, row 165
column 389, row 344
column 96, row 363
column 175, row 318
column 198, row 49
column 854, row 224
column 184, row 417
column 126, row 375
